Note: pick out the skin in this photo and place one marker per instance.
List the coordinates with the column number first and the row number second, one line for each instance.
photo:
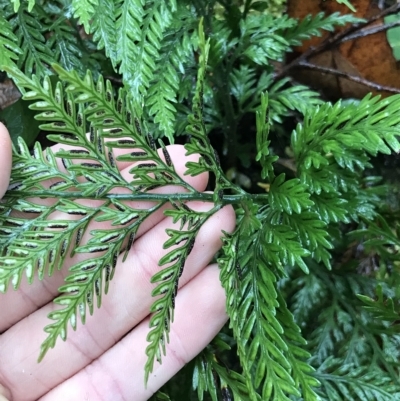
column 104, row 360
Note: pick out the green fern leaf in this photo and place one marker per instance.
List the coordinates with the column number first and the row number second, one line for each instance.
column 302, row 372
column 289, row 196
column 9, row 48
column 129, row 15
column 64, row 43
column 309, row 295
column 140, row 27
column 207, row 368
column 242, row 85
column 264, row 354
column 310, row 229
column 176, row 50
column 283, row 247
column 91, row 172
column 160, row 396
column 343, row 381
column 282, row 99
column 84, row 10
column 348, row 4
column 330, row 208
column 313, row 25
column 199, row 142
column 372, row 126
column 168, row 279
column 265, row 42
column 383, row 309
column 378, row 236
column 103, row 29
column 30, row 30
column 263, row 155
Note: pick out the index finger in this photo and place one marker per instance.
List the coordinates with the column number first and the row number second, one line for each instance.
column 5, row 159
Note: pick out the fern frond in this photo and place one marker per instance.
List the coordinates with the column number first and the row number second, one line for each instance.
column 371, row 126
column 44, row 244
column 262, row 39
column 312, row 233
column 313, row 25
column 129, row 16
column 284, row 248
column 103, row 29
column 87, row 171
column 199, row 142
column 84, row 10
column 382, row 309
column 242, row 84
column 64, row 43
column 160, row 396
column 140, row 26
column 9, row 48
column 90, row 278
column 302, row 371
column 330, row 208
column 117, row 116
column 260, row 321
column 334, row 325
column 378, row 235
column 348, row 4
column 208, row 374
column 263, row 127
column 343, row 381
column 176, row 49
column 288, row 195
column 285, row 99
column 310, row 293
column 222, row 42
column 111, row 119
column 339, row 149
column 30, row 30
column 344, row 329
column 168, row 278
column 229, row 265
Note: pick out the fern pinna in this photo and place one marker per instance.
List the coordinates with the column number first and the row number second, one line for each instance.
column 297, row 328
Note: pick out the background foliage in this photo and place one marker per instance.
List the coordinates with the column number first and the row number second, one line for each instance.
column 311, row 272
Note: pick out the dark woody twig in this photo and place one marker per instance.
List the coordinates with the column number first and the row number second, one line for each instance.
column 350, row 77
column 370, row 31
column 335, row 39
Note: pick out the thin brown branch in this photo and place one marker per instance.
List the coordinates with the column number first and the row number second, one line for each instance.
column 354, row 78
column 334, row 40
column 354, row 28
column 370, row 31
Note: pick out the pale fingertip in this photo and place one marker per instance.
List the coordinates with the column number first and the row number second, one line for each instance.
column 5, row 395
column 5, row 159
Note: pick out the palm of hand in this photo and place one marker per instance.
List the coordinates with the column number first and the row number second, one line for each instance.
column 104, row 360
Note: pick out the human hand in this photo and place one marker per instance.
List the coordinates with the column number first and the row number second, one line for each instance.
column 104, row 360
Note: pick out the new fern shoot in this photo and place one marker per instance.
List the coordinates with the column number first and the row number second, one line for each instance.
column 304, row 320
